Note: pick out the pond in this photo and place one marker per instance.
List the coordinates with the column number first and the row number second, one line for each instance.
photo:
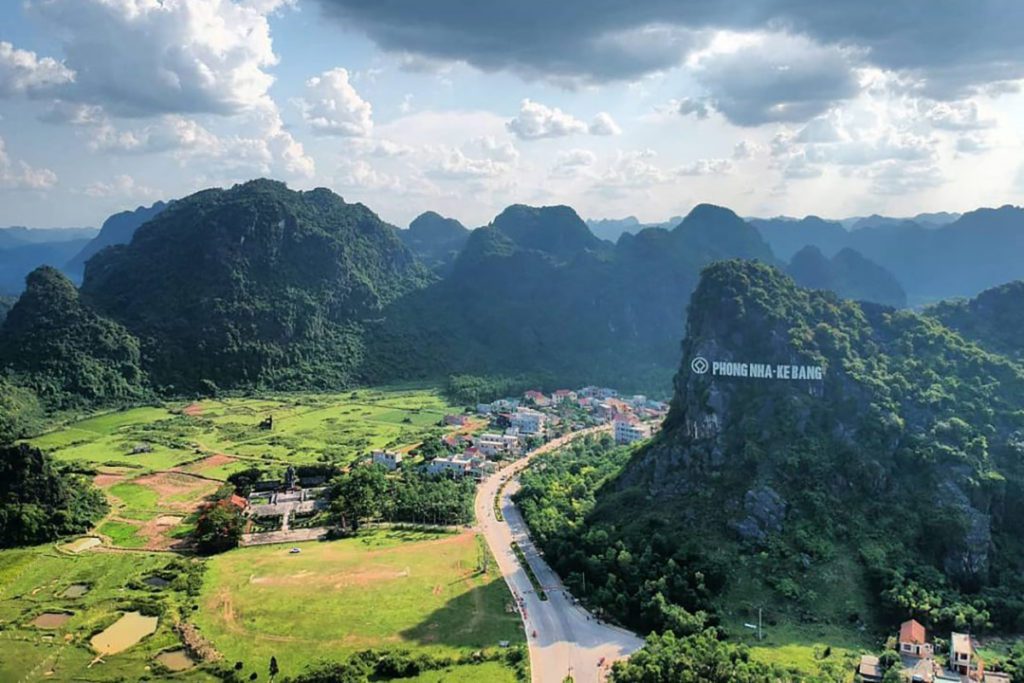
column 75, row 590
column 123, row 633
column 51, row 620
column 156, row 582
column 176, row 660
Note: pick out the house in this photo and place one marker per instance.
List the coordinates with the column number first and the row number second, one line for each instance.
column 388, row 459
column 563, row 395
column 456, row 466
column 870, row 669
column 238, row 502
column 497, row 445
column 527, row 421
column 963, row 657
column 913, row 640
column 456, row 420
column 630, row 430
column 537, row 398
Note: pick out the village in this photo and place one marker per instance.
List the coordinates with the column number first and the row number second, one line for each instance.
column 293, row 508
column 915, row 659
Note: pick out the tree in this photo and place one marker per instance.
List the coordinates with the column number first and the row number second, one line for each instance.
column 219, row 527
column 273, row 667
column 358, row 494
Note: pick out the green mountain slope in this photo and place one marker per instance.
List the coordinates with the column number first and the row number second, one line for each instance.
column 848, row 274
column 117, row 229
column 435, row 240
column 68, row 354
column 254, row 285
column 536, row 292
column 994, row 319
column 893, row 487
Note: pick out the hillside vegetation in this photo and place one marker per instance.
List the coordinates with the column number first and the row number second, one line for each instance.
column 891, row 488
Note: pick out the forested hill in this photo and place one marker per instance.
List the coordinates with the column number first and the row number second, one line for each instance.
column 901, row 470
column 64, row 351
column 435, row 240
column 117, row 229
column 537, row 292
column 254, row 285
column 848, row 274
column 994, row 319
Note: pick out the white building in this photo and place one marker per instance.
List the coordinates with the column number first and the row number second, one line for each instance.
column 527, row 421
column 388, row 459
column 628, row 431
column 497, row 445
column 457, row 466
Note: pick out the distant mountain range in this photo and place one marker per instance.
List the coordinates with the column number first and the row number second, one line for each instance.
column 978, row 250
column 261, row 286
column 118, row 229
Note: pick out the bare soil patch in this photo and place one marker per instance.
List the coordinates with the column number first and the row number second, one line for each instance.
column 193, row 410
column 51, row 620
column 208, row 463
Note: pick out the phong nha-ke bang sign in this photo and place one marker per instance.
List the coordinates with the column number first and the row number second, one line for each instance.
column 783, row 371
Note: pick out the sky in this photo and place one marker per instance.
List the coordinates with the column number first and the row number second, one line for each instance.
column 646, row 108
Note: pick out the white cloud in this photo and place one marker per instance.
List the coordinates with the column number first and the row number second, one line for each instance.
column 378, row 147
column 536, row 121
column 362, row 175
column 705, row 167
column 23, row 72
column 122, row 187
column 956, row 116
column 489, row 147
column 746, row 149
column 142, row 57
column 633, row 170
column 18, row 175
column 454, row 164
column 573, row 162
column 333, row 107
column 604, row 124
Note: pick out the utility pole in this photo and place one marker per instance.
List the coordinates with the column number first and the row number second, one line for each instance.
column 760, row 633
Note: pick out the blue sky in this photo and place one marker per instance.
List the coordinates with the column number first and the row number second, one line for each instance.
column 787, row 107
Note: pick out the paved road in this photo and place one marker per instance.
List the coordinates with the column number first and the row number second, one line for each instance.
column 569, row 640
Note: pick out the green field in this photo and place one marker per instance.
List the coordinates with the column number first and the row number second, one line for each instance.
column 416, row 591
column 308, row 428
column 33, row 582
column 413, row 590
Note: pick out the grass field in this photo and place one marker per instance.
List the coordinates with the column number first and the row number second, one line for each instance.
column 418, row 591
column 415, row 590
column 33, row 581
column 218, row 436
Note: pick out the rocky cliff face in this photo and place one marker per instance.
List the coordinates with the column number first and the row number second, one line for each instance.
column 907, row 427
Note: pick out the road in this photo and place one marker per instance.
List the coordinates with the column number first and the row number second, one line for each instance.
column 569, row 640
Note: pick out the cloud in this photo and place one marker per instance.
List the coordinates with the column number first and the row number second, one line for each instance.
column 144, row 58
column 961, row 115
column 122, row 186
column 170, row 133
column 573, row 162
column 18, row 175
column 633, row 170
column 957, row 47
column 364, row 176
column 536, row 121
column 705, row 167
column 333, row 107
column 604, row 124
column 777, row 78
column 378, row 147
column 24, row 73
column 746, row 149
column 698, row 108
column 489, row 147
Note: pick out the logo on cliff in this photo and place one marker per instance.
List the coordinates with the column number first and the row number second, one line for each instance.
column 785, row 371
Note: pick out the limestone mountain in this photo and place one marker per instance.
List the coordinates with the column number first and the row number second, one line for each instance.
column 254, row 285
column 18, row 260
column 64, row 351
column 994, row 319
column 117, row 229
column 435, row 240
column 901, row 470
column 848, row 274
column 536, row 292
column 932, row 260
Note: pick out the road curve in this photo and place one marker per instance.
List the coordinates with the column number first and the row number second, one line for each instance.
column 569, row 640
